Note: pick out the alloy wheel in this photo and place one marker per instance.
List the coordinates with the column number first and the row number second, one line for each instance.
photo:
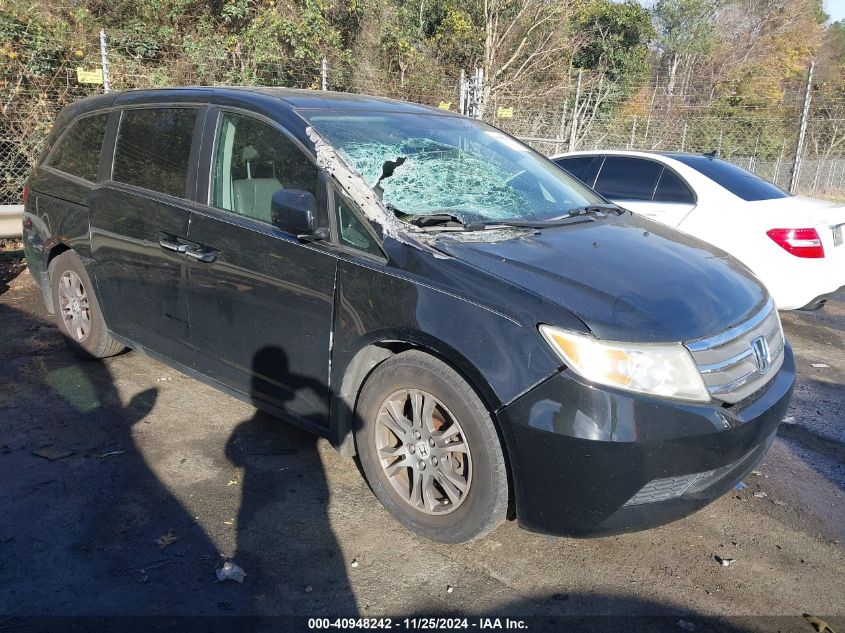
column 423, row 451
column 74, row 305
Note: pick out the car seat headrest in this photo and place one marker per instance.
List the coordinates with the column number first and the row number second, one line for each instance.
column 249, row 154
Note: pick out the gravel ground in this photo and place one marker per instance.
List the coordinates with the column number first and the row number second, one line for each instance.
column 126, row 485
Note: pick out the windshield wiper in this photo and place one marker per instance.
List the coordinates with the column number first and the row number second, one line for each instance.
column 540, row 224
column 595, row 209
column 574, row 215
column 445, row 221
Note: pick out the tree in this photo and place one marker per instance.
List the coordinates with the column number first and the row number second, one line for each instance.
column 521, row 38
column 615, row 37
column 686, row 30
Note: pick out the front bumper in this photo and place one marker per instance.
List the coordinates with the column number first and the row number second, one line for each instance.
column 588, row 461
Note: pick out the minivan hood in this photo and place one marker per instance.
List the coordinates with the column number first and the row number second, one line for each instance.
column 625, row 277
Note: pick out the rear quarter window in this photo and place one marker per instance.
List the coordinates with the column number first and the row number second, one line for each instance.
column 78, row 149
column 672, row 189
column 740, row 182
column 153, row 149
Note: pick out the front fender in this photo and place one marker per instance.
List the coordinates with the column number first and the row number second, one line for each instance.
column 500, row 355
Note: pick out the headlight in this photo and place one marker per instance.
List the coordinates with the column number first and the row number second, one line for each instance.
column 659, row 369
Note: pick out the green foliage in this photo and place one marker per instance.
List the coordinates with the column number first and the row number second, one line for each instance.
column 686, row 27
column 616, row 35
column 234, row 12
column 136, row 41
column 457, row 39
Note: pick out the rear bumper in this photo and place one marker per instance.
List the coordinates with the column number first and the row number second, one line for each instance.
column 589, row 461
column 797, row 283
column 818, row 302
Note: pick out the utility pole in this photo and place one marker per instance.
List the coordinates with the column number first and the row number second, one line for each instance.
column 104, row 59
column 462, row 95
column 802, row 131
column 633, row 132
column 324, row 74
column 478, row 96
column 574, row 129
column 562, row 129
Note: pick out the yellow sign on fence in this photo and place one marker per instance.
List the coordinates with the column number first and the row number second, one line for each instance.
column 504, row 113
column 89, row 76
column 445, row 105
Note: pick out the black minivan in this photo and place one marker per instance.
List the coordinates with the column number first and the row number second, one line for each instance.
column 490, row 337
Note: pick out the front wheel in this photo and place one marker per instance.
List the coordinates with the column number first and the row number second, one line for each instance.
column 429, row 449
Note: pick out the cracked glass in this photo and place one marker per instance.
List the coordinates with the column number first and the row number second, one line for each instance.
column 450, row 165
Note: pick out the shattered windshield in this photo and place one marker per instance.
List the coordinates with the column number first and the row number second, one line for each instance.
column 423, row 164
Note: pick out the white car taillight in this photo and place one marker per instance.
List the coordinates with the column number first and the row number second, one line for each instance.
column 799, row 242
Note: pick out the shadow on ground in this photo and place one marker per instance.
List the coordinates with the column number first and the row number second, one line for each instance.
column 87, row 509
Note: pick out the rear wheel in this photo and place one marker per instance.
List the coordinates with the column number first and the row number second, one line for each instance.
column 77, row 311
column 430, row 451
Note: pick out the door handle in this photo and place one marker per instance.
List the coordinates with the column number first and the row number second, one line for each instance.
column 206, row 257
column 169, row 245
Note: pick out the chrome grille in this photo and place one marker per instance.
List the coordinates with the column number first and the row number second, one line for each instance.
column 731, row 367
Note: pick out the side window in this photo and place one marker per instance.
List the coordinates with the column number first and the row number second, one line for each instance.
column 350, row 230
column 78, row 151
column 584, row 168
column 625, row 178
column 154, row 148
column 672, row 189
column 252, row 161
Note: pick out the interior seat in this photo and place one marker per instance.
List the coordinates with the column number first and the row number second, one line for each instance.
column 252, row 196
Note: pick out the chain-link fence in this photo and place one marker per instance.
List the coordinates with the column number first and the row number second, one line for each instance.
column 586, row 112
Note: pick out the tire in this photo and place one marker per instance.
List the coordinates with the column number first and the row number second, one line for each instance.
column 79, row 317
column 458, row 447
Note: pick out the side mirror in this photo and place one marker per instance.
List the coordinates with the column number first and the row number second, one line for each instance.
column 294, row 211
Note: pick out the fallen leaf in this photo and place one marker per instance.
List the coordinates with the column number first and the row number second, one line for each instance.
column 724, row 562
column 820, row 365
column 53, row 453
column 233, row 482
column 760, row 495
column 166, row 539
column 820, row 625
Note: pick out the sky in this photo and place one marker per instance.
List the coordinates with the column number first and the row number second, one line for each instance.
column 835, row 9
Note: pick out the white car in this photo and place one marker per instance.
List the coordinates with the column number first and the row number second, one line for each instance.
column 792, row 243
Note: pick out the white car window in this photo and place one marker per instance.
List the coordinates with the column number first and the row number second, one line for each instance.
column 672, row 189
column 623, row 178
column 740, row 182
